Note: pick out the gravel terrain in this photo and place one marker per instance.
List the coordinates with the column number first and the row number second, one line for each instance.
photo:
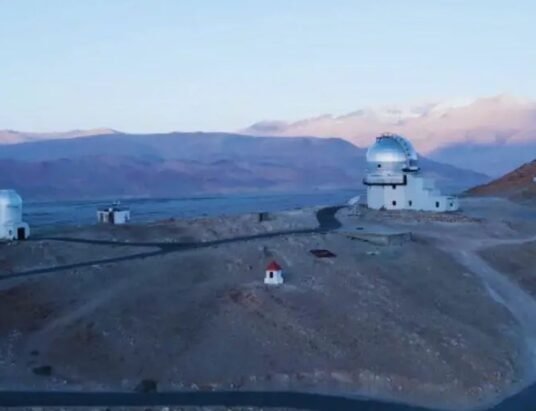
column 417, row 322
column 518, row 261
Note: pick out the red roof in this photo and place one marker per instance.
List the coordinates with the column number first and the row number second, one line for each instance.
column 273, row 266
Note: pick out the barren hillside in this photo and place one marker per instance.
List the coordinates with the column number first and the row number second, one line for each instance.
column 108, row 307
column 517, row 185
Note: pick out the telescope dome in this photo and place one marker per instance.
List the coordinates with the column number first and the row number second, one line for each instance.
column 391, row 149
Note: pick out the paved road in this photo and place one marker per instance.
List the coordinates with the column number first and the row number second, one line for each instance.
column 267, row 399
column 326, row 222
column 522, row 401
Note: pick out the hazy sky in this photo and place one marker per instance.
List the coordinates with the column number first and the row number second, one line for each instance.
column 162, row 65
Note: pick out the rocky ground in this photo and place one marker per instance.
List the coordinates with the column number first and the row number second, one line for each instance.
column 199, row 229
column 421, row 322
column 513, row 259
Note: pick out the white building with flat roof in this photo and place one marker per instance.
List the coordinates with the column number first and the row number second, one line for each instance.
column 113, row 214
column 394, row 181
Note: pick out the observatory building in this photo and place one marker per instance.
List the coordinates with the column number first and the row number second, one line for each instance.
column 113, row 214
column 394, row 181
column 11, row 225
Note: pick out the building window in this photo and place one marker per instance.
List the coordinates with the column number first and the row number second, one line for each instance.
column 437, row 204
column 379, row 166
column 410, row 203
column 271, row 274
column 394, row 187
column 451, row 204
column 394, row 202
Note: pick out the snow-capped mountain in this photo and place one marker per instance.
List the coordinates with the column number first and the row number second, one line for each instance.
column 492, row 135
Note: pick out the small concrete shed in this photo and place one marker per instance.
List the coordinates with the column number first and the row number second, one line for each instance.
column 274, row 274
column 113, row 214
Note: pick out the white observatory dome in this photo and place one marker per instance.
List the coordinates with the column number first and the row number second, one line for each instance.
column 10, row 207
column 393, row 153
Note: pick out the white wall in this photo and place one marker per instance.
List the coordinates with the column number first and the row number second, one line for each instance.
column 119, row 217
column 375, row 197
column 10, row 207
column 418, row 194
column 394, row 197
column 386, row 196
column 9, row 231
column 275, row 279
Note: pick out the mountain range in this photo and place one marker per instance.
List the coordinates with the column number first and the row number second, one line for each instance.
column 14, row 137
column 113, row 165
column 490, row 135
column 461, row 144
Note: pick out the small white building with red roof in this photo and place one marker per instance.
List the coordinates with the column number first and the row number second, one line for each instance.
column 274, row 274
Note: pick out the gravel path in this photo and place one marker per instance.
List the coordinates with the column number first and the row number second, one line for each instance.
column 518, row 302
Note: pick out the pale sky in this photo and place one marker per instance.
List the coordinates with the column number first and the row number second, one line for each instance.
column 163, row 65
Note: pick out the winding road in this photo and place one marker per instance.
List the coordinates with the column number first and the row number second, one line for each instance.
column 524, row 400
column 326, row 222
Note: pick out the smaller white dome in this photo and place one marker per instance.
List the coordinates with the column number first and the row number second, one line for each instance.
column 10, row 197
column 10, row 207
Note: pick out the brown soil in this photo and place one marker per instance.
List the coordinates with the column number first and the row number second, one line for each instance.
column 516, row 185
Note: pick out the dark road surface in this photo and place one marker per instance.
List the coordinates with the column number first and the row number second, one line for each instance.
column 279, row 399
column 522, row 401
column 326, row 222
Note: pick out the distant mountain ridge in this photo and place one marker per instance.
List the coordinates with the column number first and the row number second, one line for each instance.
column 175, row 164
column 15, row 137
column 491, row 135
